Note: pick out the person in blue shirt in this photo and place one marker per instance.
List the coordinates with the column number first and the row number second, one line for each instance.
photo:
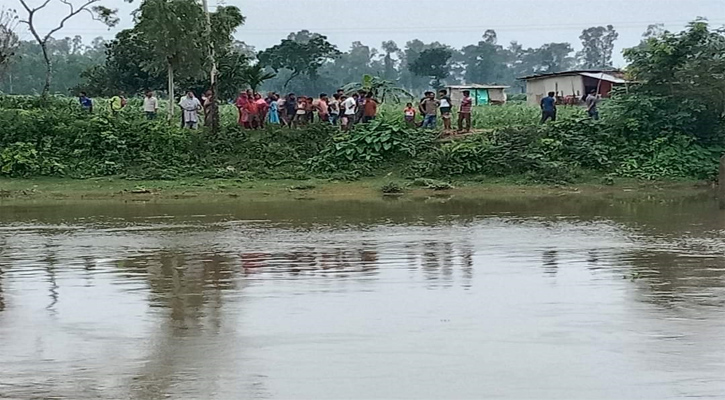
column 86, row 102
column 548, row 108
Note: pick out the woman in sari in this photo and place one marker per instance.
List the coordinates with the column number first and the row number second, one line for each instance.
column 261, row 109
column 242, row 104
column 208, row 101
column 274, row 110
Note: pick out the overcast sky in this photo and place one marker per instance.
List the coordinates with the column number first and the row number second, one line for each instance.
column 454, row 22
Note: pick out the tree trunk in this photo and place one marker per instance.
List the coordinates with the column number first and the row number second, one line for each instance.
column 214, row 110
column 293, row 76
column 48, row 70
column 721, row 183
column 213, row 124
column 172, row 99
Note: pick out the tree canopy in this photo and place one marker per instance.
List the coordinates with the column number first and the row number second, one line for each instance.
column 597, row 47
column 432, row 63
column 302, row 53
column 137, row 58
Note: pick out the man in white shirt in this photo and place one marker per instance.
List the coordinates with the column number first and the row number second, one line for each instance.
column 150, row 105
column 350, row 107
column 191, row 107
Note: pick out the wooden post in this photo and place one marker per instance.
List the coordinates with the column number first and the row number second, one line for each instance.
column 721, row 183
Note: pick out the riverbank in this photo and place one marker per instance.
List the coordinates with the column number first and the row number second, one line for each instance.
column 116, row 189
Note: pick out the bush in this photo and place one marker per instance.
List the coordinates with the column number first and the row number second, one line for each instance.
column 633, row 139
column 391, row 188
column 367, row 147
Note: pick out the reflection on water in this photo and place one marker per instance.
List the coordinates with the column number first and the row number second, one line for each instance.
column 462, row 299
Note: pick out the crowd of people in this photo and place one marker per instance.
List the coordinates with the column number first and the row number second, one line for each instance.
column 295, row 111
column 341, row 109
column 345, row 110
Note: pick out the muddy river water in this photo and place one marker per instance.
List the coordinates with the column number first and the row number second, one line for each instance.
column 536, row 298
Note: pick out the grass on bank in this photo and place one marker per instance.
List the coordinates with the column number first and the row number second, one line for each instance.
column 198, row 189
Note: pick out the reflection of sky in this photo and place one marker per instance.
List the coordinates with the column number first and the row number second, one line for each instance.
column 497, row 307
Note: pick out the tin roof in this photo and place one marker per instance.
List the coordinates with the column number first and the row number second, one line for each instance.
column 603, row 76
column 477, row 86
column 584, row 72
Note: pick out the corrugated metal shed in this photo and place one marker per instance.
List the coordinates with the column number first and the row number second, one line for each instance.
column 611, row 72
column 604, row 77
column 477, row 86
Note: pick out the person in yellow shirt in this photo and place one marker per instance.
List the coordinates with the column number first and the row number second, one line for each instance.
column 117, row 103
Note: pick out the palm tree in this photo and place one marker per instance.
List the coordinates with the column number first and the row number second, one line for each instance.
column 255, row 75
column 382, row 89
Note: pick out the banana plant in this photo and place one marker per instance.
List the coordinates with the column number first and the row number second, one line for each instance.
column 382, row 89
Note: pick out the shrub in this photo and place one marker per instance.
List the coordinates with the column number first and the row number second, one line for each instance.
column 391, row 188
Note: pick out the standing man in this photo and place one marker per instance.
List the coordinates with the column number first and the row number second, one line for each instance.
column 371, row 108
column 361, row 96
column 350, row 107
column 446, row 106
column 465, row 113
column 322, row 107
column 334, row 107
column 190, row 107
column 86, row 102
column 548, row 108
column 150, row 105
column 290, row 109
column 592, row 102
column 429, row 107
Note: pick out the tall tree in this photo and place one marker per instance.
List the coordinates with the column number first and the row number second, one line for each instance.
column 9, row 41
column 26, row 72
column 550, row 57
column 390, row 48
column 128, row 67
column 597, row 47
column 97, row 11
column 303, row 53
column 219, row 29
column 485, row 62
column 174, row 30
column 432, row 63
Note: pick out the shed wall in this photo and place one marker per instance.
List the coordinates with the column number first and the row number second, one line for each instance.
column 456, row 94
column 536, row 89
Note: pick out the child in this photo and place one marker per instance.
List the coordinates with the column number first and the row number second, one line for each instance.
column 409, row 113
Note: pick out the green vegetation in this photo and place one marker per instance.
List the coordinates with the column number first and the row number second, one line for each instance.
column 671, row 126
column 304, row 62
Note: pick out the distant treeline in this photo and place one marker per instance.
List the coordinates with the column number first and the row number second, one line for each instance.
column 304, row 62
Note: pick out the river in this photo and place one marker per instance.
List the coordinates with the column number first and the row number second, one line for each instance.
column 516, row 298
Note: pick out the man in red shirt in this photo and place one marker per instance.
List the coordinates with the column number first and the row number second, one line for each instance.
column 370, row 108
column 465, row 113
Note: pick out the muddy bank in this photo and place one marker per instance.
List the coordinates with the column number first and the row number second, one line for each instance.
column 49, row 189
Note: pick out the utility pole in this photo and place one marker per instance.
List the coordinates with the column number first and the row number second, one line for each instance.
column 214, row 109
